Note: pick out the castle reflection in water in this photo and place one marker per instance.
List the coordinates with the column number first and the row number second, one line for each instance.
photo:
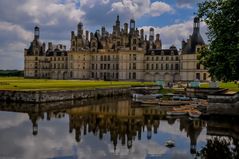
column 118, row 117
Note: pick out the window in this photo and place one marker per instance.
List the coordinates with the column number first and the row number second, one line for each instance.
column 162, row 58
column 134, row 66
column 198, row 66
column 147, row 66
column 134, row 75
column 134, row 41
column 166, row 66
column 157, row 58
column 176, row 66
column 134, row 56
column 92, row 66
column 118, row 43
column 204, row 76
column 198, row 49
column 167, row 58
column 171, row 66
column 161, row 66
column 157, row 66
column 172, row 58
column 129, row 75
column 152, row 66
column 198, row 76
column 134, row 48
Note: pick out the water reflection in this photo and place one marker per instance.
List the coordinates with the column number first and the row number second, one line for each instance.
column 115, row 122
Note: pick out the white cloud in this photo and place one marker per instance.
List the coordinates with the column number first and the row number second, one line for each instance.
column 16, row 30
column 138, row 8
column 175, row 33
column 158, row 8
column 55, row 18
column 14, row 120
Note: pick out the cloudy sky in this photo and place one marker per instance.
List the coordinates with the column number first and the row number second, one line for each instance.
column 56, row 18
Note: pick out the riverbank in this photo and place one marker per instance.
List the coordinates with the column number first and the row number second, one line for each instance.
column 40, row 96
column 21, row 84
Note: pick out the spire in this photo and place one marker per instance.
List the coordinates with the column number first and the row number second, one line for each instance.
column 196, row 24
column 36, row 32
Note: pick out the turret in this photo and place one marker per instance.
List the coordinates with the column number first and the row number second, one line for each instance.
column 80, row 29
column 72, row 34
column 142, row 34
column 126, row 28
column 158, row 42
column 196, row 25
column 103, row 31
column 36, row 32
column 151, row 34
column 132, row 25
column 87, row 35
column 50, row 46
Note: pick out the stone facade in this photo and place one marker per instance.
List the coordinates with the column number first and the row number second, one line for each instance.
column 124, row 54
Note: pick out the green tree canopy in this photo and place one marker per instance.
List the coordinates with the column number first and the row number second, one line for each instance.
column 221, row 57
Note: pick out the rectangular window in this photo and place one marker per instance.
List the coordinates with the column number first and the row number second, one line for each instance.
column 134, row 66
column 198, row 66
column 134, row 75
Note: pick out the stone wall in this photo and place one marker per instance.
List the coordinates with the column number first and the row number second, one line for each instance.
column 50, row 96
column 227, row 104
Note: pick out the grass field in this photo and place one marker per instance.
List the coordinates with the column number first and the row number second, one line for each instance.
column 229, row 85
column 19, row 83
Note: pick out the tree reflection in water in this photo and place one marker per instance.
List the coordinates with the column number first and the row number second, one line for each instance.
column 220, row 148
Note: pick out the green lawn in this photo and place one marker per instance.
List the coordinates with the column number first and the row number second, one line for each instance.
column 19, row 83
column 229, row 85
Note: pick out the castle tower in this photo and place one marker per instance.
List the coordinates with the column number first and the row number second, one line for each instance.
column 126, row 28
column 151, row 34
column 196, row 25
column 158, row 42
column 103, row 31
column 80, row 30
column 117, row 24
column 36, row 32
column 151, row 38
column 132, row 26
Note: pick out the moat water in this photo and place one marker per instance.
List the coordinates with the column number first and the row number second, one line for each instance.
column 110, row 128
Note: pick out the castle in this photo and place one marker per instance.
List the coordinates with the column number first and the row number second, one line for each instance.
column 124, row 54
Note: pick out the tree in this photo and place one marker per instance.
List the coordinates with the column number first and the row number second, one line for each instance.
column 220, row 148
column 221, row 57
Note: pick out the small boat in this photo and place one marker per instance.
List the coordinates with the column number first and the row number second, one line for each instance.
column 194, row 113
column 180, row 97
column 184, row 98
column 170, row 143
column 177, row 112
column 150, row 102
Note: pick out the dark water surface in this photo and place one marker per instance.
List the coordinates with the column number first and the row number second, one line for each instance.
column 108, row 128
